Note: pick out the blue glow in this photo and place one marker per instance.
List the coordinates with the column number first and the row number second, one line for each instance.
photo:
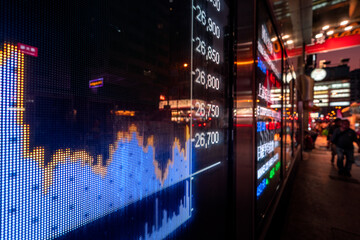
column 168, row 223
column 261, row 65
column 260, row 189
column 77, row 194
column 262, row 186
column 261, row 126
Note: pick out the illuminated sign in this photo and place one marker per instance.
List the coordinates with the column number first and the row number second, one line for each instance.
column 269, row 94
column 264, row 93
column 268, row 60
column 337, row 42
column 207, row 81
column 261, row 126
column 265, row 37
column 314, row 115
column 176, row 104
column 28, row 50
column 334, row 104
column 261, row 111
column 340, row 95
column 264, row 149
column 261, row 65
column 267, row 166
column 260, row 189
column 96, row 83
column 318, row 74
column 125, row 113
column 78, row 187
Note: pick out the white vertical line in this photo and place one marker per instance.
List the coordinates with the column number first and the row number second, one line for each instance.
column 191, row 96
column 156, row 214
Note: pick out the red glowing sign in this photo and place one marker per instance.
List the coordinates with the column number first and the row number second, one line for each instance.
column 330, row 44
column 28, row 50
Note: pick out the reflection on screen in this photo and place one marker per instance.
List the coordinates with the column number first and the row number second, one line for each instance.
column 100, row 128
column 48, row 200
column 268, row 115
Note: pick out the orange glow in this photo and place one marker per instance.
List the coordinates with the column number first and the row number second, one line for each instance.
column 244, row 62
column 96, row 83
column 162, row 97
column 321, row 92
column 61, row 156
column 125, row 113
column 186, row 65
column 246, row 100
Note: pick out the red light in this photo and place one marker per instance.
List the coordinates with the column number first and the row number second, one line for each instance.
column 193, row 125
column 204, row 124
column 162, row 97
column 199, row 124
column 210, row 118
column 272, row 78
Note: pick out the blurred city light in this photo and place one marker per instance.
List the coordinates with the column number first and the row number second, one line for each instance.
column 319, row 35
column 343, row 23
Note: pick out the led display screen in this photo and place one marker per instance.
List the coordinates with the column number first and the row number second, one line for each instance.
column 268, row 114
column 113, row 119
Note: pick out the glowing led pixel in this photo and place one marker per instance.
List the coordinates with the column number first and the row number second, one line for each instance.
column 43, row 201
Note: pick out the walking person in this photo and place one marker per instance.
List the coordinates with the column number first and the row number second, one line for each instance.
column 343, row 138
column 335, row 125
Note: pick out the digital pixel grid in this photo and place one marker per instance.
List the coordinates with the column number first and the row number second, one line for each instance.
column 43, row 201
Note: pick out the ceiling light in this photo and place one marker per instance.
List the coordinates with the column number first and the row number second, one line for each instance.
column 348, row 28
column 326, row 27
column 319, row 35
column 273, row 39
column 344, row 22
column 318, row 74
column 289, row 41
column 286, row 36
column 330, row 32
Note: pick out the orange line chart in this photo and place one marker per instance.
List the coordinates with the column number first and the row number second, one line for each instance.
column 61, row 156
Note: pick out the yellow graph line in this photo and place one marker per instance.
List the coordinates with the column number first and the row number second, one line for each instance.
column 61, row 156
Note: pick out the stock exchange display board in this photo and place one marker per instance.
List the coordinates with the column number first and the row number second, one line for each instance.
column 115, row 126
column 209, row 74
column 268, row 114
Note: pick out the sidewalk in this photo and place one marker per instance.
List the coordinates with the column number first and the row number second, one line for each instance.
column 323, row 205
